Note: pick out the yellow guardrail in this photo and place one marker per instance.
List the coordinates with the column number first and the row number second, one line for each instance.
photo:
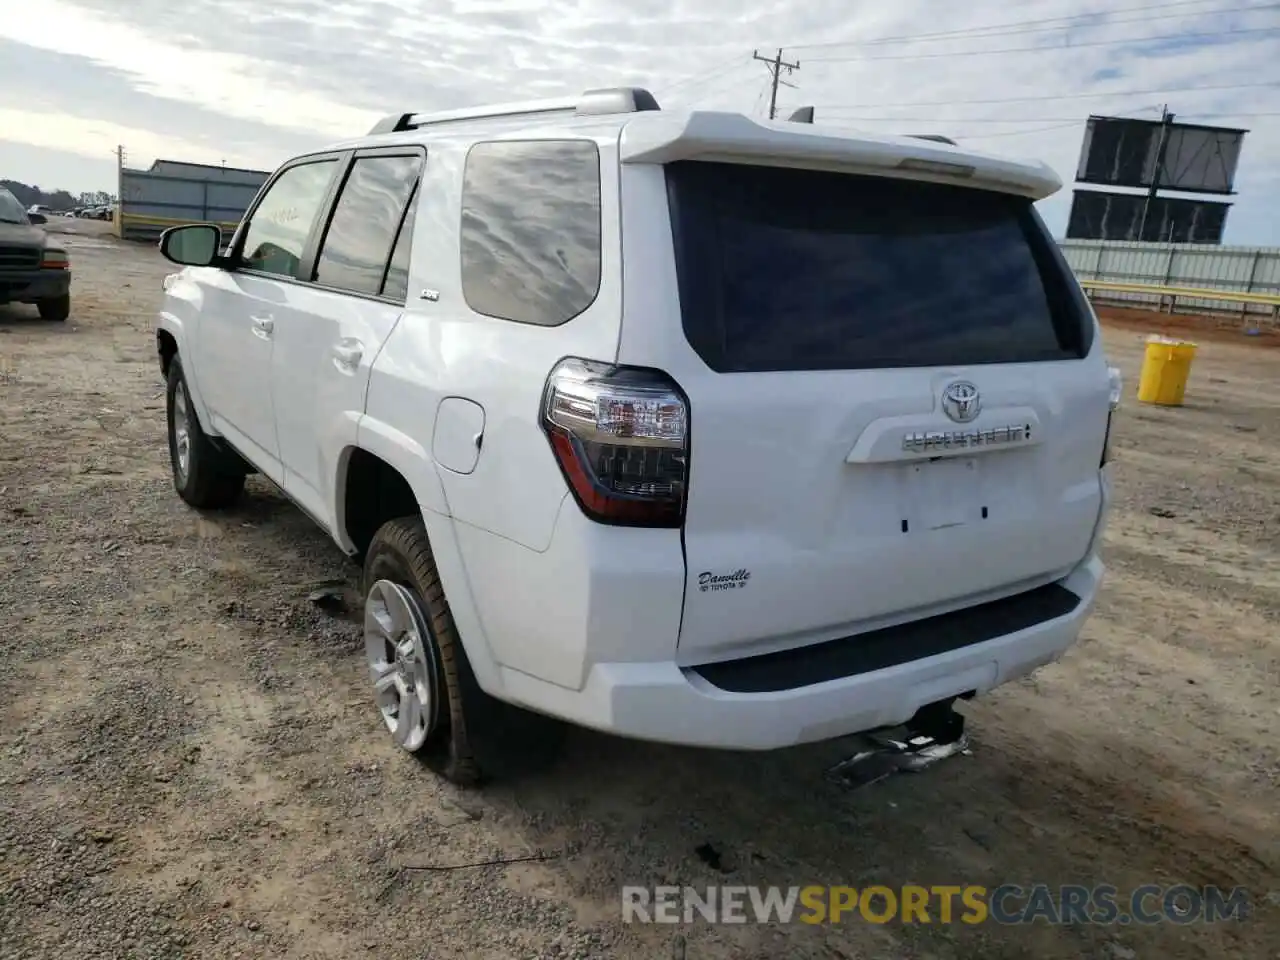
column 132, row 218
column 1189, row 293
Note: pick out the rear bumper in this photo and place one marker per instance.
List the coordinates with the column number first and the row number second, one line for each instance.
column 32, row 286
column 664, row 702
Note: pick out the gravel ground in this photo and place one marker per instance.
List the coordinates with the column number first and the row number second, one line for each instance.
column 190, row 764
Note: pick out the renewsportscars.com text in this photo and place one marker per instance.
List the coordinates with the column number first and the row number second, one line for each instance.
column 969, row 904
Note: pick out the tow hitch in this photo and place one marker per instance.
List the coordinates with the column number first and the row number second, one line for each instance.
column 934, row 733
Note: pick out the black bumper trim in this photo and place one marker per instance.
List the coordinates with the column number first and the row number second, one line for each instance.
column 890, row 646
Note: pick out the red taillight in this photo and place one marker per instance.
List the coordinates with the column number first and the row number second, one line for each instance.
column 621, row 437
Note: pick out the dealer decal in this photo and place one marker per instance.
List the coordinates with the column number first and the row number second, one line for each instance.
column 723, row 581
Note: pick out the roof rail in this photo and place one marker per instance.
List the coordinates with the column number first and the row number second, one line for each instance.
column 600, row 102
column 935, row 137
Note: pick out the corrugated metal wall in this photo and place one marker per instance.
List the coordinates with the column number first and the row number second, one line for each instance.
column 171, row 193
column 1240, row 269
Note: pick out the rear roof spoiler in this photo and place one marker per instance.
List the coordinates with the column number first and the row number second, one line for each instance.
column 704, row 135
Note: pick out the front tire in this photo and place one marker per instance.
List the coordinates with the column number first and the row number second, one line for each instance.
column 56, row 308
column 204, row 476
column 426, row 691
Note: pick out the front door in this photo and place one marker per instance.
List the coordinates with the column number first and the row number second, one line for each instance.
column 238, row 327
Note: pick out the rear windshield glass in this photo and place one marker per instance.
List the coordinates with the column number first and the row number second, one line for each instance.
column 786, row 269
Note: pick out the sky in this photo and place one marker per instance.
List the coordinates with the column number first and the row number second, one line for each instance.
column 251, row 84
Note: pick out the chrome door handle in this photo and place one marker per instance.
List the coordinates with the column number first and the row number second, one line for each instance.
column 347, row 354
column 262, row 327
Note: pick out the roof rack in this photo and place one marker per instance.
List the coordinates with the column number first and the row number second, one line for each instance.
column 935, row 137
column 601, row 102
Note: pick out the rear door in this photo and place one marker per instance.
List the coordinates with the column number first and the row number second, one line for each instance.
column 337, row 321
column 895, row 403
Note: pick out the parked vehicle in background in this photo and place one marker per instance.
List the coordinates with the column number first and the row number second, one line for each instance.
column 691, row 428
column 32, row 269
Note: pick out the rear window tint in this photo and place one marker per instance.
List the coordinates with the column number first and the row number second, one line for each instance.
column 786, row 269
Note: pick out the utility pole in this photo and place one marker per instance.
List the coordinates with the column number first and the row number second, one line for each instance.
column 1166, row 120
column 118, row 213
column 776, row 65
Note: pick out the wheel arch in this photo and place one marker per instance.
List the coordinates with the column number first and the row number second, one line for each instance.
column 384, row 475
column 171, row 342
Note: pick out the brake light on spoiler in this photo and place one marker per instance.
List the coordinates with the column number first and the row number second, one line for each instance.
column 621, row 438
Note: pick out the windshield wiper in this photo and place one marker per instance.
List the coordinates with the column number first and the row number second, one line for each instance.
column 7, row 220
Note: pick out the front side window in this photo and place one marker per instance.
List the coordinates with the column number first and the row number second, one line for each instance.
column 282, row 221
column 366, row 223
column 531, row 229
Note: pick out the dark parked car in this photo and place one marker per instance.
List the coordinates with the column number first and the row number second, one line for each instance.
column 32, row 269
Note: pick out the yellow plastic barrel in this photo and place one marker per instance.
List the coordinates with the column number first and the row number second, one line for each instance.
column 1166, row 367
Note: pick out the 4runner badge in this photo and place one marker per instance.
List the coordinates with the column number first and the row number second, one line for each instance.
column 727, row 581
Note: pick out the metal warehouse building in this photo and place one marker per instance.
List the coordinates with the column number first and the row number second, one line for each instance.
column 172, row 192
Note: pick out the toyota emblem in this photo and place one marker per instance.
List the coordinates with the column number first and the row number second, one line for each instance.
column 960, row 401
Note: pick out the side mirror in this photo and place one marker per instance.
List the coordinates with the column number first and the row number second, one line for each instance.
column 194, row 245
column 37, row 218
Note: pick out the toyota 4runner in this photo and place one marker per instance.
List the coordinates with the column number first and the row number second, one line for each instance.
column 683, row 426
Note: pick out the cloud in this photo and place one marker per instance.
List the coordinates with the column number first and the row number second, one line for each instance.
column 254, row 83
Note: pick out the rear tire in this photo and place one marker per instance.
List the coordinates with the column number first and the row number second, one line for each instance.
column 57, row 308
column 204, row 476
column 468, row 736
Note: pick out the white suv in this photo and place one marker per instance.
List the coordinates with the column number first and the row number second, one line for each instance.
column 682, row 426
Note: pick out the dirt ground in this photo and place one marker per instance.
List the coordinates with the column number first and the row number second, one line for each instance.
column 191, row 765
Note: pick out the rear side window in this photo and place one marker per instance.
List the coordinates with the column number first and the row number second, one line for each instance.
column 396, row 286
column 531, row 229
column 786, row 269
column 366, row 222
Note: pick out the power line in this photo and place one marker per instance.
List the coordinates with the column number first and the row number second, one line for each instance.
column 713, row 87
column 1179, row 37
column 1064, row 96
column 776, row 66
column 1194, row 116
column 1017, row 133
column 1060, row 125
column 711, row 73
column 764, row 88
column 1037, row 26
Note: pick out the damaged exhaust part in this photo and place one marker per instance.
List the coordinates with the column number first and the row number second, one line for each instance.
column 935, row 733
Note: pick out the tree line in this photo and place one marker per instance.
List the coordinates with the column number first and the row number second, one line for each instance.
column 27, row 195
